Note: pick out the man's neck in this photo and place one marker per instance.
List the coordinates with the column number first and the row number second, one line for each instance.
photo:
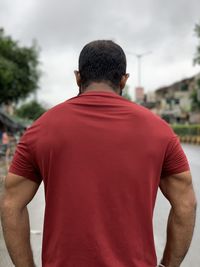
column 100, row 87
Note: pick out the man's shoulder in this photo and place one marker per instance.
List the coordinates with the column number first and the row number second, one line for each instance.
column 55, row 111
column 146, row 113
column 49, row 117
column 151, row 121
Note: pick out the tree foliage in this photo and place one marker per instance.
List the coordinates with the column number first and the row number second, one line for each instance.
column 195, row 96
column 197, row 55
column 125, row 93
column 32, row 110
column 19, row 72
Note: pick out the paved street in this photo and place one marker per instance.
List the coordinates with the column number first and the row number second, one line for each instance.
column 161, row 211
column 160, row 218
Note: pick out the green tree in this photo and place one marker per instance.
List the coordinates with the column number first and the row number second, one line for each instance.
column 195, row 96
column 31, row 110
column 126, row 94
column 19, row 72
column 197, row 55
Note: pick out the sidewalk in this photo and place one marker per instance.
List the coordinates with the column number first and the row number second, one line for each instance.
column 4, row 258
column 36, row 239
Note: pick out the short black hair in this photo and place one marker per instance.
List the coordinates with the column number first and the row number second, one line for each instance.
column 102, row 61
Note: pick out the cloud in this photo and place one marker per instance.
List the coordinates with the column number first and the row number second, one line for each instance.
column 63, row 27
column 136, row 24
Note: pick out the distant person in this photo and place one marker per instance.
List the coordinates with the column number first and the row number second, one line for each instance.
column 1, row 133
column 101, row 175
column 6, row 147
column 1, row 148
column 5, row 139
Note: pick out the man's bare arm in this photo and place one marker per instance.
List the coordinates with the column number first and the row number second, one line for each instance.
column 19, row 191
column 178, row 189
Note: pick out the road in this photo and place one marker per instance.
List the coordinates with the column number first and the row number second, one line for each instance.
column 36, row 209
column 162, row 209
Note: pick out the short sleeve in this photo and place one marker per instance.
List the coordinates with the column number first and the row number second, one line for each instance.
column 175, row 160
column 23, row 163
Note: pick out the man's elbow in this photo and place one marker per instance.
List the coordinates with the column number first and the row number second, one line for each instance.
column 187, row 207
column 7, row 206
column 4, row 205
column 190, row 203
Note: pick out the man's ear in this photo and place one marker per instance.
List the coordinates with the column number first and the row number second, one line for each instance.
column 124, row 80
column 78, row 78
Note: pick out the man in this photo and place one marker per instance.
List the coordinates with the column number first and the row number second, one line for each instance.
column 101, row 174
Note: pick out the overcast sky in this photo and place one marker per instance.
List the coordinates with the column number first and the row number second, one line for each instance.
column 62, row 28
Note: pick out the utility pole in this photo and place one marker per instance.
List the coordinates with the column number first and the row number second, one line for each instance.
column 139, row 59
column 139, row 90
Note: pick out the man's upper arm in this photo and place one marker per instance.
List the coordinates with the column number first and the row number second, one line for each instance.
column 23, row 178
column 18, row 191
column 178, row 189
column 175, row 160
column 24, row 163
column 176, row 180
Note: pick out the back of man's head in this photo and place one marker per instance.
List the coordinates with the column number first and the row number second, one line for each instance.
column 102, row 61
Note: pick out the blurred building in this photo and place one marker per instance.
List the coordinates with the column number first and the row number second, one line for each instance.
column 8, row 108
column 174, row 103
column 9, row 124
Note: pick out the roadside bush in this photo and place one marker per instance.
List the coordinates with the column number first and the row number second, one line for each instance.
column 186, row 130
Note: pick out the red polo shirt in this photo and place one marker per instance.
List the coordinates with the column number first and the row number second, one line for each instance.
column 101, row 158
